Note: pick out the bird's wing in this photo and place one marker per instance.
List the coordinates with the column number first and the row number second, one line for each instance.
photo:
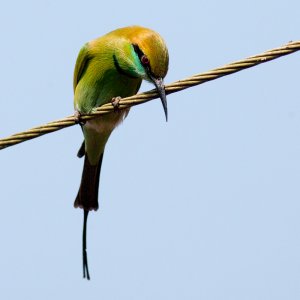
column 81, row 63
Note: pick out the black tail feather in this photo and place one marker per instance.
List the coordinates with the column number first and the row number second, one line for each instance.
column 87, row 199
column 81, row 151
column 84, row 252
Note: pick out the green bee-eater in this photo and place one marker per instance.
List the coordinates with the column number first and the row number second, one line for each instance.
column 107, row 68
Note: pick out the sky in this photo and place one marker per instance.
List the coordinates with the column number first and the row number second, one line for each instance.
column 205, row 206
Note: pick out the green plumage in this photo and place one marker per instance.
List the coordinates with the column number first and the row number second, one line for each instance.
column 112, row 66
column 96, row 79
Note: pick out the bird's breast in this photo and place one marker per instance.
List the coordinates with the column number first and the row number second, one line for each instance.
column 105, row 124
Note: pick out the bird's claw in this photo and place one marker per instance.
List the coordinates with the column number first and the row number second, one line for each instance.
column 116, row 102
column 77, row 118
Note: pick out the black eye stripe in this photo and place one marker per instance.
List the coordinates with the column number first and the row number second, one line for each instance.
column 140, row 54
column 138, row 50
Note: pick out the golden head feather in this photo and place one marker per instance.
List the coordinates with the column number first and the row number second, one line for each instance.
column 150, row 44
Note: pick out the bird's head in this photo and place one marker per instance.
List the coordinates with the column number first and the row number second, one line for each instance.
column 143, row 54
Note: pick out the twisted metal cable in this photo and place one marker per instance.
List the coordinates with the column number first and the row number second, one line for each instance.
column 147, row 96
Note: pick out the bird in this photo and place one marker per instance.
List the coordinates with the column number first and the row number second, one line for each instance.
column 107, row 69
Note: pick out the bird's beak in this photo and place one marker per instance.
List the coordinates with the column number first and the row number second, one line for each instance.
column 159, row 84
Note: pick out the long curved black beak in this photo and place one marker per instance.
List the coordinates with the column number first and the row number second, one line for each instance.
column 159, row 84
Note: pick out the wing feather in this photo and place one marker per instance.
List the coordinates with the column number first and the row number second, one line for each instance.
column 81, row 64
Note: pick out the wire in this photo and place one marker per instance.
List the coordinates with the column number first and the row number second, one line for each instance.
column 176, row 86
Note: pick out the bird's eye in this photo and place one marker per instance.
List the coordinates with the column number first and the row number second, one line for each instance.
column 144, row 60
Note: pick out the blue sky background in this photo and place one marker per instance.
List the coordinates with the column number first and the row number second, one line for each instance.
column 205, row 206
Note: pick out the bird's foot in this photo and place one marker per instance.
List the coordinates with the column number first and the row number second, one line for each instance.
column 116, row 102
column 77, row 118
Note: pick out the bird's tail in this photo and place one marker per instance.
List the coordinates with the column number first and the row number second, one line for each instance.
column 87, row 199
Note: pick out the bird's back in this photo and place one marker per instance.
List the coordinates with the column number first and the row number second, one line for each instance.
column 96, row 79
